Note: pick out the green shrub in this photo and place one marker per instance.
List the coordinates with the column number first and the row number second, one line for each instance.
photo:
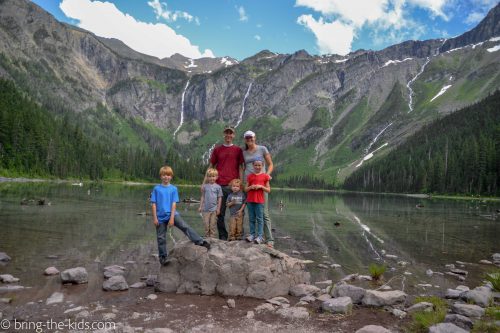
column 483, row 326
column 423, row 320
column 494, row 278
column 376, row 271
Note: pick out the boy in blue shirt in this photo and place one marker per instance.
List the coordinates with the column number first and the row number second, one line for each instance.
column 164, row 200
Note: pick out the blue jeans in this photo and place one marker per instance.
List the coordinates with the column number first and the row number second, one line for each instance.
column 256, row 218
column 221, row 225
column 161, row 234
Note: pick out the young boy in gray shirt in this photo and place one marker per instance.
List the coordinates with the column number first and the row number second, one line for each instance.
column 236, row 201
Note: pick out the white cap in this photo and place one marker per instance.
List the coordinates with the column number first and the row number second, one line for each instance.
column 249, row 133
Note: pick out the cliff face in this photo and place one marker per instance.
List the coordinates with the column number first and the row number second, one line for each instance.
column 320, row 114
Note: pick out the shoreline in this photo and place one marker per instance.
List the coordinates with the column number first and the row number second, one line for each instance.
column 338, row 191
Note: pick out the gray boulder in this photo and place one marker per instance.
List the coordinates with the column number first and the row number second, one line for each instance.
column 459, row 320
column 347, row 290
column 480, row 296
column 446, row 328
column 468, row 310
column 56, row 297
column 373, row 329
column 495, row 256
column 338, row 305
column 76, row 275
column 231, row 269
column 10, row 288
column 115, row 283
column 383, row 298
column 294, row 313
column 113, row 271
column 453, row 293
column 4, row 257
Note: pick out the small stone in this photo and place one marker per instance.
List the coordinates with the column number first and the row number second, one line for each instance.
column 115, row 283
column 51, row 271
column 129, row 262
column 398, row 313
column 324, row 297
column 138, row 285
column 4, row 257
column 308, row 299
column 56, row 297
column 324, row 284
column 459, row 271
column 403, row 263
column 114, row 267
column 429, row 272
column 468, row 310
column 496, row 256
column 446, row 328
column 459, row 320
column 391, row 256
column 373, row 329
column 76, row 275
column 279, row 301
column 7, row 278
column 79, row 308
column 350, row 277
column 108, row 316
column 485, row 262
column 264, row 307
column 338, row 305
column 294, row 313
column 421, row 306
column 83, row 314
column 152, row 297
column 364, row 278
column 322, row 266
column 335, row 266
column 424, row 285
column 225, row 307
column 383, row 298
column 295, row 252
column 461, row 262
column 300, row 290
column 231, row 303
column 449, row 266
column 52, row 256
column 5, row 300
column 462, row 288
column 135, row 315
column 250, row 314
column 407, row 273
column 10, row 288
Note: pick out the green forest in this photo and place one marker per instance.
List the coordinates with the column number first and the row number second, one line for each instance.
column 458, row 154
column 35, row 142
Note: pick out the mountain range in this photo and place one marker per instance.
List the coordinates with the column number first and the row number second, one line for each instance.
column 319, row 115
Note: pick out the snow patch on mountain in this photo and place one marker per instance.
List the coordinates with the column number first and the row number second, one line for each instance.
column 442, row 91
column 390, row 62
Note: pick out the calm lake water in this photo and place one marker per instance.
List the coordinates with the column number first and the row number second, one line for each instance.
column 97, row 225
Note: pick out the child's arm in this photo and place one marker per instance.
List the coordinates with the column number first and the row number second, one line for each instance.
column 219, row 202
column 267, row 187
column 242, row 209
column 202, row 199
column 172, row 214
column 155, row 218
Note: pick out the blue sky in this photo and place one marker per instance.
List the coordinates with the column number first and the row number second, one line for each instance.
column 242, row 28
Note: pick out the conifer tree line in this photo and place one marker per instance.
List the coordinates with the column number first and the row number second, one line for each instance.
column 458, row 154
column 38, row 143
column 302, row 181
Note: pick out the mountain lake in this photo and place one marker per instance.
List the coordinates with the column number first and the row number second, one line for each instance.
column 95, row 225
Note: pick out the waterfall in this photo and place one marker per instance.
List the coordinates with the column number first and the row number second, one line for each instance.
column 243, row 107
column 376, row 138
column 182, row 109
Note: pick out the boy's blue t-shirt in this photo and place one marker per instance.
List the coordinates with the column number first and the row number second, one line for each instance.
column 163, row 196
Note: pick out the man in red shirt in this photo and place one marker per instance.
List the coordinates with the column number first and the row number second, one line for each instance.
column 229, row 162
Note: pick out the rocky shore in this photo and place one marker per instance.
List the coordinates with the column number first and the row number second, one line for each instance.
column 237, row 286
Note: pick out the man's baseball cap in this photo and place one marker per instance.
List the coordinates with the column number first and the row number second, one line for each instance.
column 229, row 128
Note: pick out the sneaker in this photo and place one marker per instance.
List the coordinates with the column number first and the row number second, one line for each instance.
column 205, row 244
column 270, row 245
column 259, row 240
column 250, row 238
column 164, row 261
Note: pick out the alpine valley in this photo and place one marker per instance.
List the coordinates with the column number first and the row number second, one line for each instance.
column 321, row 116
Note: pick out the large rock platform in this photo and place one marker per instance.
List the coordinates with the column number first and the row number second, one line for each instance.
column 232, row 269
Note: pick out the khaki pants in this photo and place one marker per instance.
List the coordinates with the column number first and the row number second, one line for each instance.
column 236, row 227
column 210, row 221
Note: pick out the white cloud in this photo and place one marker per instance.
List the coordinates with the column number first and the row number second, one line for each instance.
column 105, row 20
column 334, row 37
column 161, row 11
column 243, row 14
column 341, row 19
column 257, row 37
column 474, row 17
column 259, row 25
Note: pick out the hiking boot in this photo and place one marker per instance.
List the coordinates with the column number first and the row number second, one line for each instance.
column 259, row 240
column 250, row 238
column 205, row 244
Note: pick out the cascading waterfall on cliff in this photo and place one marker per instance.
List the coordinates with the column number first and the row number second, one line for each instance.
column 408, row 85
column 208, row 153
column 182, row 109
column 376, row 138
column 243, row 107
